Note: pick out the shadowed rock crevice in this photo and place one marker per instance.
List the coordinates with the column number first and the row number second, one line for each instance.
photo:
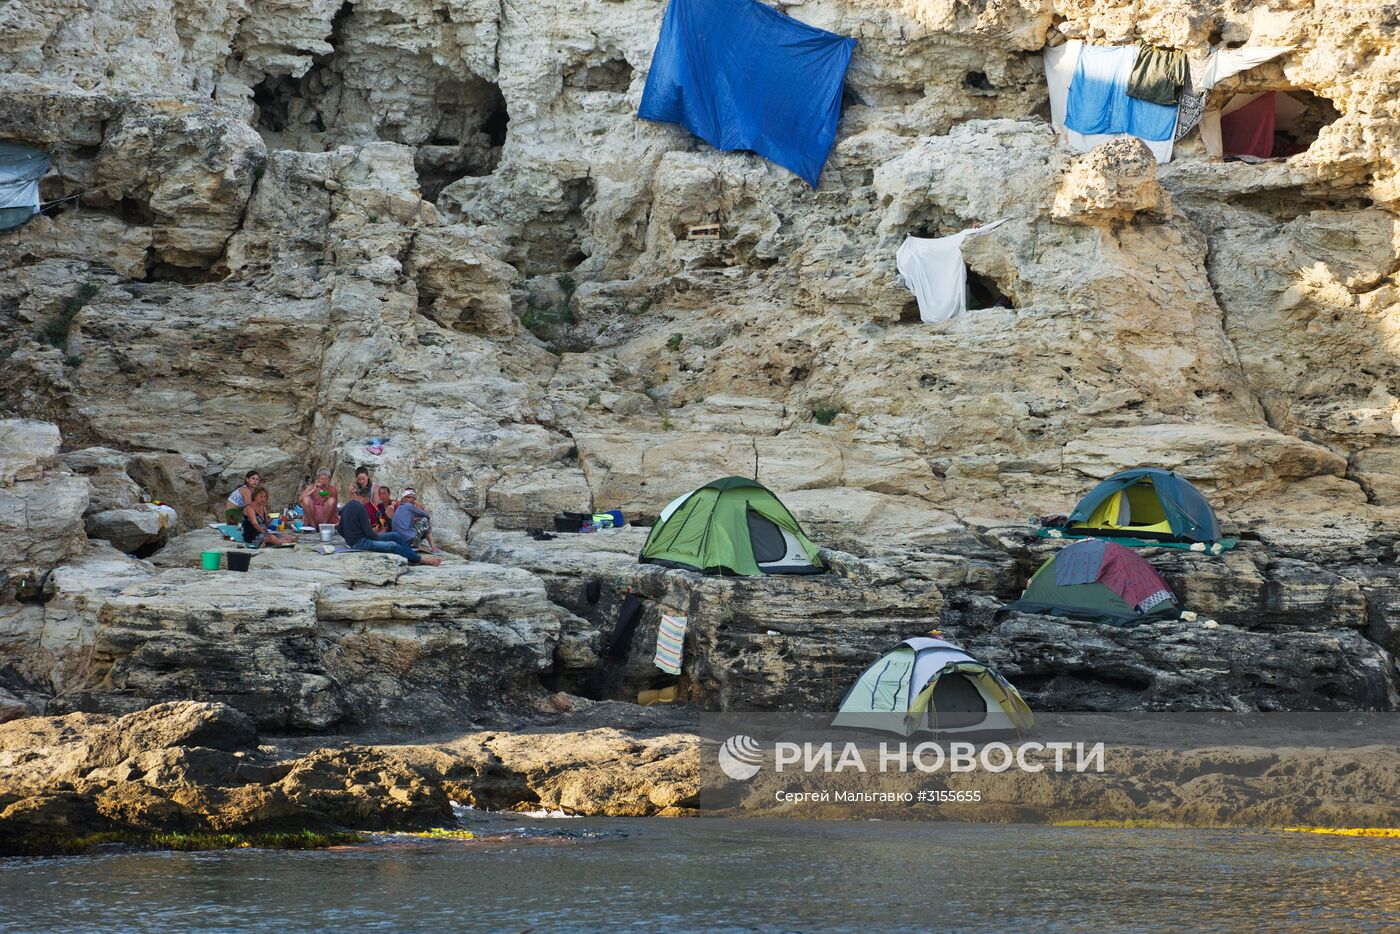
column 553, row 241
column 613, row 76
column 445, row 158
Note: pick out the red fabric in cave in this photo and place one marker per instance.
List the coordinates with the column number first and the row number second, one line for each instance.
column 1249, row 131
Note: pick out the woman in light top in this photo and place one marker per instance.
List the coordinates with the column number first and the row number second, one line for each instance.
column 241, row 497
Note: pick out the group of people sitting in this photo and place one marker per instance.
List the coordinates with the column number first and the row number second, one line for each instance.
column 371, row 520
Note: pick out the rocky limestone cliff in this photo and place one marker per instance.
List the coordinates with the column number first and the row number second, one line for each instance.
column 300, row 226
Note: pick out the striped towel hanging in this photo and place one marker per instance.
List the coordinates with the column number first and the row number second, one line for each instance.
column 670, row 643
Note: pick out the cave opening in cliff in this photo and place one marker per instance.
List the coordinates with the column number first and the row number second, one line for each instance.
column 1294, row 201
column 1299, row 133
column 287, row 108
column 1270, row 124
column 157, row 271
column 497, row 121
column 469, row 138
column 291, row 111
column 983, row 292
column 977, row 81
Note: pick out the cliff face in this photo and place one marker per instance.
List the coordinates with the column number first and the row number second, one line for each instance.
column 303, row 225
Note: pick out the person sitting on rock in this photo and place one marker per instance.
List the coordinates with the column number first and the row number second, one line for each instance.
column 257, row 529
column 241, row 497
column 319, row 501
column 362, row 479
column 363, row 482
column 412, row 522
column 383, row 512
column 360, row 536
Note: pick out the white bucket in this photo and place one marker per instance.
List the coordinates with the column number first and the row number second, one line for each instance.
column 327, row 531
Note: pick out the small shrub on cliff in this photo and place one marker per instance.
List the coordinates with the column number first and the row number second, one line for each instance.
column 825, row 412
column 543, row 320
column 55, row 331
column 673, row 343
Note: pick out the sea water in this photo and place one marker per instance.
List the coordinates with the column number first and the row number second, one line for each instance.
column 740, row 875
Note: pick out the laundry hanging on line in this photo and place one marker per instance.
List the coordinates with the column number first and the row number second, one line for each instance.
column 1157, row 75
column 670, row 643
column 1190, row 106
column 743, row 76
column 629, row 614
column 935, row 272
column 1099, row 102
column 1061, row 63
column 1226, row 63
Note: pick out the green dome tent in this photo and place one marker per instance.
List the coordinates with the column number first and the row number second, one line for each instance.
column 731, row 526
column 1148, row 506
column 1098, row 581
column 930, row 684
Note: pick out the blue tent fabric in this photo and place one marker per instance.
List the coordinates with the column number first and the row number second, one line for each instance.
column 1098, row 97
column 1079, row 563
column 741, row 75
column 1186, row 508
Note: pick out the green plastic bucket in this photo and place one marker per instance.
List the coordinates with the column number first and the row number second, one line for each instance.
column 210, row 559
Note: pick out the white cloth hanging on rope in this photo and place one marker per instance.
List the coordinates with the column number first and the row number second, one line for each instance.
column 935, row 272
column 1226, row 63
column 1060, row 64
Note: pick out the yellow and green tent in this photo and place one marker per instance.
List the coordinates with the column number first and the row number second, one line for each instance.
column 928, row 684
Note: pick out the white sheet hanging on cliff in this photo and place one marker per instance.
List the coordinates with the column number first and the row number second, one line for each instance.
column 1060, row 64
column 1226, row 63
column 935, row 272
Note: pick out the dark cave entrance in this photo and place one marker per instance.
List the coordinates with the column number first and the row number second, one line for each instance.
column 983, row 292
column 469, row 138
column 275, row 97
column 295, row 106
column 1298, row 133
column 977, row 81
column 1273, row 123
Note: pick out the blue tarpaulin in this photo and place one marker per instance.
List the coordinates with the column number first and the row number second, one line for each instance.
column 741, row 75
column 1098, row 97
column 21, row 167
